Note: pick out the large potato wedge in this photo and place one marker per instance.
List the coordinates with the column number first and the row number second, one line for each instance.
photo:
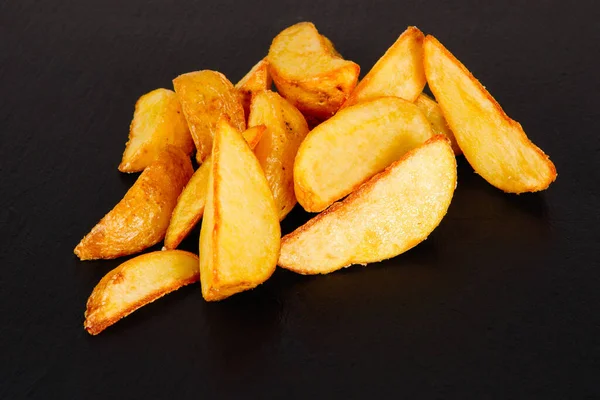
column 157, row 123
column 390, row 214
column 286, row 129
column 309, row 72
column 495, row 145
column 359, row 141
column 191, row 202
column 205, row 96
column 141, row 218
column 240, row 234
column 256, row 80
column 434, row 115
column 138, row 282
column 399, row 72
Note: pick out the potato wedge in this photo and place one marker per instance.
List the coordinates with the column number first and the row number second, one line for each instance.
column 308, row 73
column 138, row 282
column 141, row 218
column 434, row 115
column 157, row 122
column 399, row 72
column 359, row 141
column 240, row 235
column 329, row 45
column 205, row 96
column 286, row 129
column 256, row 80
column 191, row 201
column 390, row 214
column 495, row 145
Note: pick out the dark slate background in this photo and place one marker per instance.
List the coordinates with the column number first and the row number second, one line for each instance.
column 500, row 302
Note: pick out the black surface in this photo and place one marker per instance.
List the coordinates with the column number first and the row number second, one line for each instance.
column 500, row 302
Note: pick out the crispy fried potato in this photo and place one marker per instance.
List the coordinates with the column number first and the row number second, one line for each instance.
column 308, row 73
column 191, row 202
column 286, row 129
column 359, row 141
column 398, row 73
column 205, row 96
column 390, row 214
column 240, row 235
column 434, row 115
column 495, row 145
column 138, row 282
column 329, row 45
column 141, row 218
column 256, row 80
column 157, row 122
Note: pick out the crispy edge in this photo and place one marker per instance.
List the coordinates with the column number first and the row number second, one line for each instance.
column 432, row 41
column 95, row 327
column 355, row 196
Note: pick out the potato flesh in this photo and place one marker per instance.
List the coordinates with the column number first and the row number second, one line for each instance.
column 399, row 72
column 390, row 214
column 286, row 129
column 434, row 115
column 256, row 80
column 205, row 96
column 157, row 122
column 240, row 235
column 309, row 73
column 495, row 145
column 136, row 283
column 141, row 218
column 359, row 141
column 191, row 201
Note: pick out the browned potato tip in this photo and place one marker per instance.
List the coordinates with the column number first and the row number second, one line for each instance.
column 138, row 282
column 141, row 218
column 205, row 96
column 359, row 141
column 495, row 145
column 286, row 129
column 157, row 123
column 390, row 214
column 240, row 234
column 256, row 80
column 309, row 72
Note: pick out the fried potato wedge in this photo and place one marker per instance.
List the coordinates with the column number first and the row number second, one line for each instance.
column 434, row 115
column 157, row 122
column 399, row 72
column 286, row 129
column 191, row 202
column 359, row 141
column 390, row 214
column 495, row 145
column 256, row 80
column 240, row 235
column 309, row 72
column 141, row 218
column 138, row 282
column 329, row 45
column 205, row 96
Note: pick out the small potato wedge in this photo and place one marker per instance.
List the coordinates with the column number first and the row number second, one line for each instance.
column 191, row 202
column 286, row 129
column 495, row 145
column 359, row 141
column 309, row 73
column 390, row 214
column 399, row 72
column 240, row 235
column 434, row 115
column 138, row 282
column 141, row 218
column 157, row 123
column 205, row 96
column 256, row 80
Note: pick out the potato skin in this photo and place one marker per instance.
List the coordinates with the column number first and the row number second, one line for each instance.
column 141, row 218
